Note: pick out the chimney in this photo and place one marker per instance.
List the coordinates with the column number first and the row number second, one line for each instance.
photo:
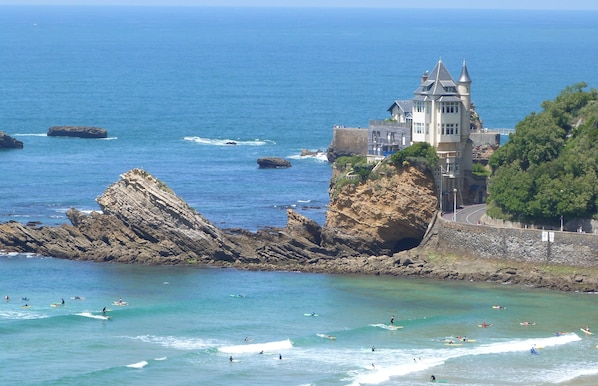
column 425, row 76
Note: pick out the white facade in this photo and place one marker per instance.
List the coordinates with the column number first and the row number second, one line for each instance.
column 441, row 117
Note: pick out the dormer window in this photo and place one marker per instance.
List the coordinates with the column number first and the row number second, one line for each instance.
column 450, row 89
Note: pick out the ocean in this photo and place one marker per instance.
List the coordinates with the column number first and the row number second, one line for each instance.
column 172, row 86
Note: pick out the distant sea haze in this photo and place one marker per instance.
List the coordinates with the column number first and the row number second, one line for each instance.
column 173, row 85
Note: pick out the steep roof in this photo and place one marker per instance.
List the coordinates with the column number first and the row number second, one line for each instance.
column 404, row 105
column 439, row 83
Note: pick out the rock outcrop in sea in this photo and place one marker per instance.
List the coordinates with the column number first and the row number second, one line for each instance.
column 144, row 221
column 8, row 142
column 273, row 163
column 77, row 131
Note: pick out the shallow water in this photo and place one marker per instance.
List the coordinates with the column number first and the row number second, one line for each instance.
column 182, row 324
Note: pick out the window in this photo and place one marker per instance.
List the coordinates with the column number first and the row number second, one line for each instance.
column 419, row 107
column 449, row 107
column 375, row 136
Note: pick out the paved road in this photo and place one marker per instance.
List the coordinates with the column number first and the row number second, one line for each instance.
column 469, row 214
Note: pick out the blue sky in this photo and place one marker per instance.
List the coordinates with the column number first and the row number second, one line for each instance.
column 471, row 4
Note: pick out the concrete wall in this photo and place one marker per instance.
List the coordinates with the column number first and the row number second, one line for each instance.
column 486, row 138
column 526, row 245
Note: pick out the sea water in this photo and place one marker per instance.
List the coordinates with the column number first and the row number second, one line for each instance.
column 181, row 326
column 172, row 86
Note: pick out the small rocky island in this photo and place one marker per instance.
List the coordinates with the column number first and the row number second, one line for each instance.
column 77, row 131
column 273, row 163
column 8, row 142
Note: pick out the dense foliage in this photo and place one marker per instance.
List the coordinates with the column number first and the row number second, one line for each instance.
column 549, row 166
column 418, row 152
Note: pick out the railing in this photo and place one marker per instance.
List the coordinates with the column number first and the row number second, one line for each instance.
column 500, row 131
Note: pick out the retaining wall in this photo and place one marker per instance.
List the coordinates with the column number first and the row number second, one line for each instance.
column 526, row 245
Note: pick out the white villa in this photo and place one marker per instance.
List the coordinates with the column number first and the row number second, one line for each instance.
column 439, row 113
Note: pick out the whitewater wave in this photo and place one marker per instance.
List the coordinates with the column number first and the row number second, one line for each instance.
column 321, row 157
column 30, row 135
column 92, row 316
column 376, row 373
column 138, row 365
column 179, row 343
column 257, row 347
column 228, row 142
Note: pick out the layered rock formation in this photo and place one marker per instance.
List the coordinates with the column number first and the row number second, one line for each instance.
column 142, row 220
column 8, row 142
column 77, row 131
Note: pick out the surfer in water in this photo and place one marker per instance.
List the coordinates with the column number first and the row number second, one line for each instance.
column 432, row 378
column 230, row 358
column 104, row 311
column 62, row 301
column 392, row 320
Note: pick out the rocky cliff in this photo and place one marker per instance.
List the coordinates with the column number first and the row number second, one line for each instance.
column 384, row 214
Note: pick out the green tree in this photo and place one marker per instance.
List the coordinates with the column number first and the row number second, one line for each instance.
column 548, row 168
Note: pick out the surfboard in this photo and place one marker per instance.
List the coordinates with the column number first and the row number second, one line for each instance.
column 499, row 307
column 528, row 323
column 586, row 331
column 120, row 304
column 55, row 305
column 236, row 296
column 482, row 326
column 311, row 314
column 453, row 344
column 26, row 306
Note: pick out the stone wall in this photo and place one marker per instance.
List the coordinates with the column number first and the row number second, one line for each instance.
column 348, row 142
column 524, row 245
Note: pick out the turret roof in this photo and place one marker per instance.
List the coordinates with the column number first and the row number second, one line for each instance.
column 464, row 78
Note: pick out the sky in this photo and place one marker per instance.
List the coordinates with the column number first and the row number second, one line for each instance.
column 436, row 4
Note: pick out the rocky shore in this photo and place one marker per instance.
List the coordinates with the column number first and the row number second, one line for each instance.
column 143, row 221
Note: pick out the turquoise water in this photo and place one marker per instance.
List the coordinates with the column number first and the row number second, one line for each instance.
column 181, row 325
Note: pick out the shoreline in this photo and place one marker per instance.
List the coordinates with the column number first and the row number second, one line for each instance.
column 419, row 263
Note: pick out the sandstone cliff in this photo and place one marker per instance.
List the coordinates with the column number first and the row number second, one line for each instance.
column 385, row 214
